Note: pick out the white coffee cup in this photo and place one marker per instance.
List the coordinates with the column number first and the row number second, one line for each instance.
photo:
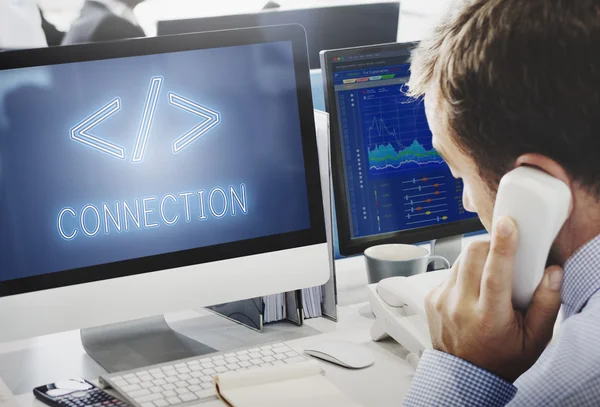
column 393, row 260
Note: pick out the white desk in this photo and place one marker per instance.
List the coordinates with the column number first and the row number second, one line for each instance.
column 45, row 359
column 25, row 364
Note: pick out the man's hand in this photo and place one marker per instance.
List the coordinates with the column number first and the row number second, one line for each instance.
column 472, row 317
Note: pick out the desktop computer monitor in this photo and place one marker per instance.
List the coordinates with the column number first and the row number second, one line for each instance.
column 326, row 27
column 390, row 184
column 147, row 176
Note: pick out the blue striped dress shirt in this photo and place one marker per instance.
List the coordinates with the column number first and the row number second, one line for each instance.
column 567, row 373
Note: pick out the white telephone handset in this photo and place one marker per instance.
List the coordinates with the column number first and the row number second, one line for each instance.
column 399, row 306
column 537, row 202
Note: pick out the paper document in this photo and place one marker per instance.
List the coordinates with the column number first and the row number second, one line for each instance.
column 296, row 385
column 312, row 299
column 274, row 308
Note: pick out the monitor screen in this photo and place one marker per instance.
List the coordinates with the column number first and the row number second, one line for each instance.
column 394, row 179
column 117, row 159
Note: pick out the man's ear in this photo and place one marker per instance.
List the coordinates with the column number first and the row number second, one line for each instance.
column 545, row 164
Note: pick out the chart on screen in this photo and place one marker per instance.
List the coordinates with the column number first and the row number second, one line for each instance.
column 398, row 180
column 396, row 130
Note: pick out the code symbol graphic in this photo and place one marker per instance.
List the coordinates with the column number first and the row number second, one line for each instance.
column 81, row 133
column 211, row 119
column 147, row 119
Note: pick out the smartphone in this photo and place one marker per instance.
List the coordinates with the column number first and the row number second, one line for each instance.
column 76, row 393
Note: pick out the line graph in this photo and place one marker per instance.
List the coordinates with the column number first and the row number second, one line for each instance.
column 384, row 157
column 397, row 134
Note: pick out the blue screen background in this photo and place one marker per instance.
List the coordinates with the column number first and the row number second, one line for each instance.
column 395, row 179
column 42, row 170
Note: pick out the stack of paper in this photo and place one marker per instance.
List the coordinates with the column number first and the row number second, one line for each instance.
column 274, row 308
column 312, row 299
column 296, row 385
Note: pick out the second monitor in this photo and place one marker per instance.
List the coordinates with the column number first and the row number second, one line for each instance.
column 391, row 185
column 326, row 27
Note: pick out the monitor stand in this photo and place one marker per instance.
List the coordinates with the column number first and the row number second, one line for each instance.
column 448, row 247
column 135, row 344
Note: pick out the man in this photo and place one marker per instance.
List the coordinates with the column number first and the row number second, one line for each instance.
column 509, row 83
column 105, row 20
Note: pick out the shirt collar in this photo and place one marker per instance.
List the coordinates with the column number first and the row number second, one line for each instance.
column 120, row 9
column 582, row 277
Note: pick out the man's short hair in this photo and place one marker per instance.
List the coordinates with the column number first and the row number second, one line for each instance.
column 515, row 77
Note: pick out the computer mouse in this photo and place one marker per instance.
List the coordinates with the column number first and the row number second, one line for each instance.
column 342, row 353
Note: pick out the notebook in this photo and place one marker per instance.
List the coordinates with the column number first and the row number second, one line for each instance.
column 296, row 385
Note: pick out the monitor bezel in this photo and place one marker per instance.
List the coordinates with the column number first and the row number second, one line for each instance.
column 174, row 26
column 169, row 44
column 347, row 245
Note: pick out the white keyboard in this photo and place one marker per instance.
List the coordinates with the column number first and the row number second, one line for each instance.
column 191, row 381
